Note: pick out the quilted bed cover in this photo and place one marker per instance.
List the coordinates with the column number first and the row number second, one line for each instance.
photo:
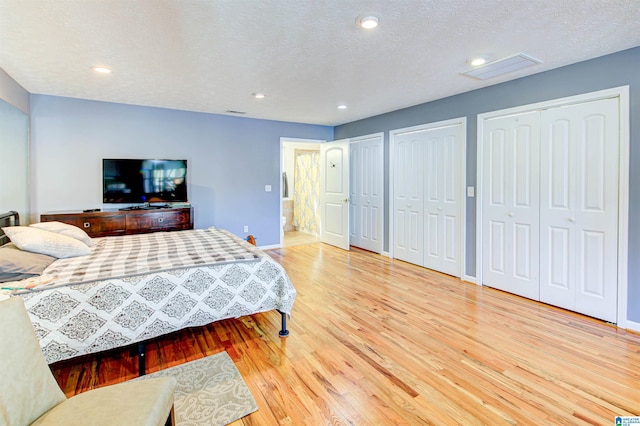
column 137, row 287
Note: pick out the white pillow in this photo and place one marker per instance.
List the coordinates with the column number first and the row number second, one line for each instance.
column 40, row 241
column 65, row 229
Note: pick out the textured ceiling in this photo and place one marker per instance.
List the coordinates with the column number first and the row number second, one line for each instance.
column 306, row 56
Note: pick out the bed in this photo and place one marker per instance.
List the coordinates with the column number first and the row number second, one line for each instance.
column 130, row 289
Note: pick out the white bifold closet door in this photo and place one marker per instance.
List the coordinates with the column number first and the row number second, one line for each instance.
column 366, row 203
column 428, row 198
column 550, row 206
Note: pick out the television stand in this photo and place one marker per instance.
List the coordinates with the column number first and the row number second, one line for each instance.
column 132, row 221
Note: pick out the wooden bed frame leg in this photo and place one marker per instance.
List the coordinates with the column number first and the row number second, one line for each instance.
column 141, row 359
column 283, row 332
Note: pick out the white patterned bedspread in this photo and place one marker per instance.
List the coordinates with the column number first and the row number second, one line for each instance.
column 83, row 318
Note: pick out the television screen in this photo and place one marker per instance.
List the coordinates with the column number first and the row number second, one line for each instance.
column 144, row 181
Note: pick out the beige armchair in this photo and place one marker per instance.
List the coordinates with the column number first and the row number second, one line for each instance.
column 29, row 394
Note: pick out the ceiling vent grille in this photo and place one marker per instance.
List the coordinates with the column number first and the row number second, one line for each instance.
column 502, row 66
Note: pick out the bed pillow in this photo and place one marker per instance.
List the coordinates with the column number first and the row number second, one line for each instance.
column 7, row 277
column 16, row 264
column 65, row 229
column 44, row 242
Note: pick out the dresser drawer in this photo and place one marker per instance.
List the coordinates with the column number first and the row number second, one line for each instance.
column 145, row 222
column 100, row 226
column 94, row 225
column 158, row 220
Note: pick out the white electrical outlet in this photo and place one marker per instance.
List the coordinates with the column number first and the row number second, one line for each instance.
column 267, row 188
column 246, row 228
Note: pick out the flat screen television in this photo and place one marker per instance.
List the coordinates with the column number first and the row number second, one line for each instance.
column 144, row 181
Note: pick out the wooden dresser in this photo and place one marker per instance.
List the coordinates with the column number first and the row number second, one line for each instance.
column 116, row 222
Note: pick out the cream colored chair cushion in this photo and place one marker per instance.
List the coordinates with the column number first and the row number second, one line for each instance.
column 29, row 394
column 27, row 387
column 140, row 403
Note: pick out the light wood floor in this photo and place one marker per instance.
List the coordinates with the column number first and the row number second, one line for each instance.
column 376, row 342
column 297, row 238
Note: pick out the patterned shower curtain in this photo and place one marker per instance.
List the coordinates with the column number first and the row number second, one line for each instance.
column 306, row 201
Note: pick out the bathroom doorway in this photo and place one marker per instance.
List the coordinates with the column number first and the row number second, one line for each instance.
column 300, row 165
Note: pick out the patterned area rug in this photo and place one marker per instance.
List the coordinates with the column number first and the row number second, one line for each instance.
column 210, row 391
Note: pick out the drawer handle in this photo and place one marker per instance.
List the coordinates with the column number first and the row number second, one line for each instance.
column 87, row 224
column 160, row 219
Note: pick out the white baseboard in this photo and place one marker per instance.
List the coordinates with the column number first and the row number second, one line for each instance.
column 469, row 278
column 272, row 246
column 632, row 325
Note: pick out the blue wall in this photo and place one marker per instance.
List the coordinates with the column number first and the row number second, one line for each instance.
column 618, row 69
column 230, row 159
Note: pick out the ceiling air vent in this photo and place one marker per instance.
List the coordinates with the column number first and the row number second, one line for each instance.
column 501, row 66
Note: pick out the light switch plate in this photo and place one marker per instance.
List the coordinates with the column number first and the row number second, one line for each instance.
column 471, row 191
column 267, row 188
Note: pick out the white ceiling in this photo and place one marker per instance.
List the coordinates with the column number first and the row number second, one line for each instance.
column 307, row 56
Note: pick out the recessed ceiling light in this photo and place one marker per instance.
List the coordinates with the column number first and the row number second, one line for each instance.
column 342, row 107
column 502, row 66
column 368, row 22
column 258, row 95
column 102, row 70
column 476, row 61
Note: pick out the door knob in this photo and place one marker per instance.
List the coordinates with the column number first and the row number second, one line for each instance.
column 510, row 215
column 346, row 200
column 571, row 220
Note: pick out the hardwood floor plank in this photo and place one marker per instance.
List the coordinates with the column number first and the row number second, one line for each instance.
column 377, row 341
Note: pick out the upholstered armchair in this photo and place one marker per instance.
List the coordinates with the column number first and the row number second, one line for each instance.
column 29, row 394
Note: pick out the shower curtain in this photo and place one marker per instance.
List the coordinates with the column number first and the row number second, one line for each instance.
column 306, row 201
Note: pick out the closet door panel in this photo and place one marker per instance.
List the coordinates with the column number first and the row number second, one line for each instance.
column 408, row 198
column 443, row 174
column 511, row 230
column 581, row 199
column 557, row 218
column 366, row 197
column 598, row 149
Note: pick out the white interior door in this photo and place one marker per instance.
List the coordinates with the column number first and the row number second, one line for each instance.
column 366, row 194
column 579, row 208
column 334, row 193
column 408, row 197
column 510, row 204
column 442, row 199
column 428, row 179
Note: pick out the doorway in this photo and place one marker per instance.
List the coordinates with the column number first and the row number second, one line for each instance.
column 300, row 220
